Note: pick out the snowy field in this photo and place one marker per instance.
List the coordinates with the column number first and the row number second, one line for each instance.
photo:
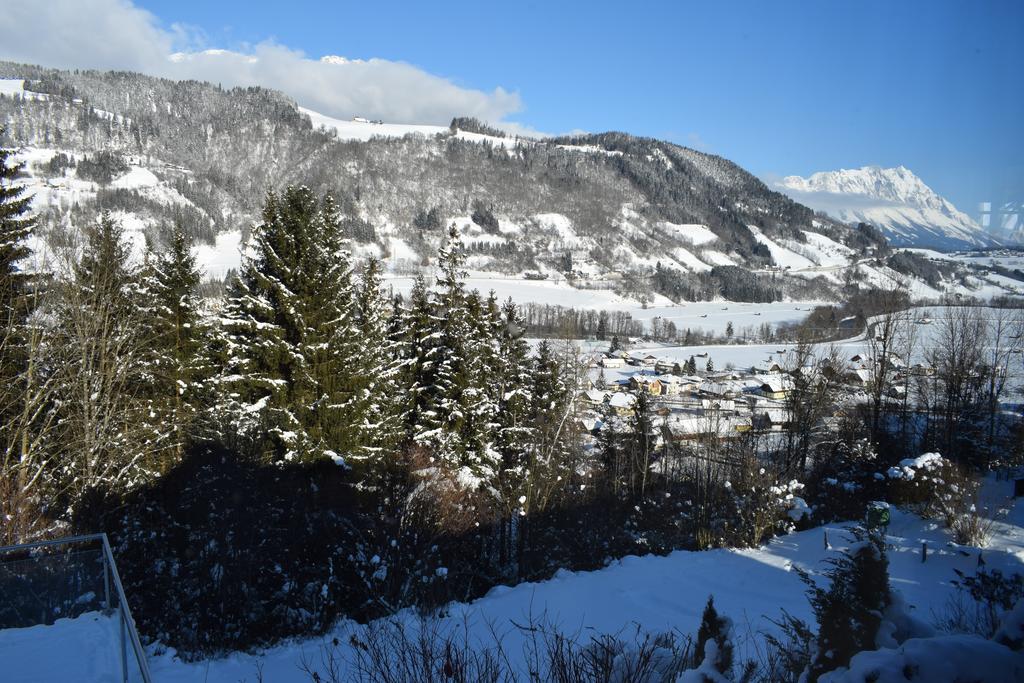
column 654, row 594
column 709, row 316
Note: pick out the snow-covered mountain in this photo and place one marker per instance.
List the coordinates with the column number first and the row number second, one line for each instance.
column 637, row 218
column 894, row 200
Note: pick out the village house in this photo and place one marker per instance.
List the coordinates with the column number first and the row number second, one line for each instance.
column 649, row 383
column 622, row 404
column 642, row 359
column 770, row 418
column 858, row 377
column 667, row 367
column 613, row 362
column 922, row 370
column 720, row 405
column 694, row 427
column 768, row 367
column 593, row 398
column 674, row 385
column 776, row 386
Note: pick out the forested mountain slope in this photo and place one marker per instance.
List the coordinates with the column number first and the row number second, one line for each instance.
column 605, row 210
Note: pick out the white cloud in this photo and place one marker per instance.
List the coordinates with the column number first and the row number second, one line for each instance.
column 114, row 34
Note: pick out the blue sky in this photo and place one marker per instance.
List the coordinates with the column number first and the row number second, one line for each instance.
column 779, row 87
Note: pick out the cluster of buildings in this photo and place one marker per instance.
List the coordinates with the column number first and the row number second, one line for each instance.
column 690, row 405
column 724, row 404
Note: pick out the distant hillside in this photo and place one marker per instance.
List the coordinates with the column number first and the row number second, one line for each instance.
column 610, row 210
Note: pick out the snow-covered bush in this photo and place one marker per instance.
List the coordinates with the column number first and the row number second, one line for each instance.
column 849, row 611
column 926, row 660
column 981, row 601
column 843, row 482
column 933, row 486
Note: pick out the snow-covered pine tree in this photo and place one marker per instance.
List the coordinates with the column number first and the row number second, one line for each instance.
column 553, row 449
column 641, row 443
column 22, row 395
column 446, row 425
column 481, row 395
column 380, row 391
column 718, row 629
column 16, row 227
column 99, row 366
column 513, row 383
column 293, row 346
column 176, row 336
column 415, row 330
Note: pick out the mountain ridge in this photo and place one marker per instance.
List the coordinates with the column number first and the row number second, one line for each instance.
column 607, row 210
column 894, row 200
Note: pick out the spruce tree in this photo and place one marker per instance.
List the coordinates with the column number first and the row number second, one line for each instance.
column 379, row 391
column 176, row 339
column 22, row 393
column 449, row 423
column 513, row 383
column 417, row 340
column 552, row 453
column 100, row 369
column 710, row 367
column 16, row 226
column 642, row 443
column 290, row 321
column 718, row 629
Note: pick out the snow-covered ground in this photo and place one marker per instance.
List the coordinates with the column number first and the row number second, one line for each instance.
column 653, row 593
column 87, row 648
column 709, row 316
column 364, row 130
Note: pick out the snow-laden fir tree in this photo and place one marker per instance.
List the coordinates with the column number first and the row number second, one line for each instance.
column 22, row 395
column 177, row 337
column 717, row 629
column 553, row 446
column 416, row 338
column 513, row 382
column 380, row 394
column 99, row 368
column 16, row 227
column 453, row 406
column 850, row 610
column 293, row 343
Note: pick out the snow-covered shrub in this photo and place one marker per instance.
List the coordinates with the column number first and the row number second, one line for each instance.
column 788, row 654
column 1011, row 631
column 927, row 660
column 843, row 482
column 403, row 651
column 981, row 601
column 933, row 486
column 223, row 554
column 849, row 611
column 922, row 483
column 714, row 646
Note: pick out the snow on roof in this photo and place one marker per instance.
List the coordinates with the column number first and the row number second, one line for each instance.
column 621, row 400
column 862, row 374
column 777, row 383
column 692, row 425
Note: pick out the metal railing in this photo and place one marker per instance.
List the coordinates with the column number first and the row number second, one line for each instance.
column 54, row 579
